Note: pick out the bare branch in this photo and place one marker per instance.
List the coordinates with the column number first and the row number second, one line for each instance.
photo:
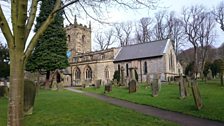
column 31, row 18
column 5, row 29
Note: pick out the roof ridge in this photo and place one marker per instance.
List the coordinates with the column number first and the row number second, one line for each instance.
column 145, row 42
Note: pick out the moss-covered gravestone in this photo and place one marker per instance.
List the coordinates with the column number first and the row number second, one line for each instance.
column 29, row 96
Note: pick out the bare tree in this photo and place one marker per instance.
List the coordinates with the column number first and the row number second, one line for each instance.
column 143, row 31
column 219, row 14
column 105, row 39
column 198, row 28
column 159, row 29
column 193, row 19
column 175, row 31
column 123, row 32
column 206, row 37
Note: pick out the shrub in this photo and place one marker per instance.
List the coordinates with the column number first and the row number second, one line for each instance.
column 117, row 75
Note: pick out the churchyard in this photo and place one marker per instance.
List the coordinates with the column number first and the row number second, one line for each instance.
column 64, row 108
column 169, row 97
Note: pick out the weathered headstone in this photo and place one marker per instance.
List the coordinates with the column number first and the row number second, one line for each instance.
column 29, row 96
column 126, row 81
column 4, row 91
column 186, row 86
column 115, row 82
column 188, row 81
column 149, row 81
column 98, row 84
column 182, row 87
column 132, row 86
column 54, row 85
column 209, row 75
column 108, row 87
column 196, row 95
column 155, row 85
column 122, row 77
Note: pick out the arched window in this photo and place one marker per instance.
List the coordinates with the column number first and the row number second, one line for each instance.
column 69, row 39
column 83, row 38
column 88, row 73
column 107, row 74
column 145, row 68
column 127, row 69
column 171, row 61
column 77, row 73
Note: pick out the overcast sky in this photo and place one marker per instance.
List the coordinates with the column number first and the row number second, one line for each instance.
column 116, row 15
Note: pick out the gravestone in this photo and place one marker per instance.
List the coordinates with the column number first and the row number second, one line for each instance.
column 132, row 86
column 115, row 82
column 98, row 84
column 4, row 91
column 188, row 81
column 209, row 75
column 122, row 77
column 29, row 96
column 126, row 81
column 186, row 86
column 108, row 87
column 54, row 85
column 182, row 87
column 196, row 94
column 149, row 81
column 156, row 84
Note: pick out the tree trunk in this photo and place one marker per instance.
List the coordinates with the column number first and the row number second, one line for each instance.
column 47, row 81
column 16, row 95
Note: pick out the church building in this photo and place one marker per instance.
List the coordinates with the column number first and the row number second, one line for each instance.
column 87, row 66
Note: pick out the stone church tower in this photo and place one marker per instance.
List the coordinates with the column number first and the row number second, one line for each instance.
column 78, row 38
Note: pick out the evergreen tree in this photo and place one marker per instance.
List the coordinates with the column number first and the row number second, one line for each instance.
column 4, row 61
column 50, row 52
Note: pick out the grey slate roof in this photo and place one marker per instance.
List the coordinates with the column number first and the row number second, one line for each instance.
column 140, row 51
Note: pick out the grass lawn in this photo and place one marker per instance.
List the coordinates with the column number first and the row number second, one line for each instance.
column 64, row 108
column 212, row 96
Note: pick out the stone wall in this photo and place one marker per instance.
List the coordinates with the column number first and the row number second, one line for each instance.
column 78, row 39
column 100, row 63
